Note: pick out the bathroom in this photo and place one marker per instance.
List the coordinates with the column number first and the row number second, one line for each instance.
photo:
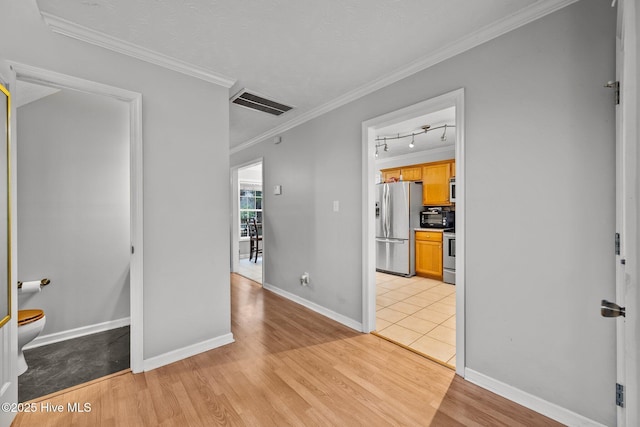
column 73, row 203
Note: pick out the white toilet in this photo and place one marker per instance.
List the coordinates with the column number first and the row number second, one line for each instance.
column 30, row 324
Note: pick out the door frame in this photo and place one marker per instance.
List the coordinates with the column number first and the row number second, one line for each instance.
column 451, row 99
column 627, row 196
column 134, row 100
column 235, row 214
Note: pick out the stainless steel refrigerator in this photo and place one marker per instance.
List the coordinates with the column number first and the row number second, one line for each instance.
column 398, row 207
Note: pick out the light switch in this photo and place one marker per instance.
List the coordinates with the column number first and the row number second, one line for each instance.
column 336, row 205
column 277, row 190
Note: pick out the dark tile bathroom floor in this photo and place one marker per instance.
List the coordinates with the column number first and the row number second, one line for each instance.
column 68, row 363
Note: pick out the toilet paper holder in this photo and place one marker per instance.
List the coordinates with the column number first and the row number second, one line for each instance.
column 43, row 282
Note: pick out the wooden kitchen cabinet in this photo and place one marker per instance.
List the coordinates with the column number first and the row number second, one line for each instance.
column 434, row 176
column 389, row 175
column 411, row 173
column 435, row 184
column 429, row 254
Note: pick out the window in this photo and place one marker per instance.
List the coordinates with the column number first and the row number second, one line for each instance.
column 250, row 206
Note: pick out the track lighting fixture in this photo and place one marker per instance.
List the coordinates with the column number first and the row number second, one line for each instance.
column 382, row 140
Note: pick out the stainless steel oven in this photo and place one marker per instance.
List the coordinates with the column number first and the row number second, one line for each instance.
column 449, row 257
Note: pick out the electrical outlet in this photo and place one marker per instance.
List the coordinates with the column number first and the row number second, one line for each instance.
column 304, row 279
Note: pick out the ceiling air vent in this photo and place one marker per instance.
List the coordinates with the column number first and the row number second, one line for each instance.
column 251, row 100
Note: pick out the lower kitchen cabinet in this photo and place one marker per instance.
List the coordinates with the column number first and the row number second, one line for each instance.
column 429, row 254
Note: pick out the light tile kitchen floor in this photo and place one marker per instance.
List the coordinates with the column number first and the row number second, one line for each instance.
column 419, row 313
column 251, row 270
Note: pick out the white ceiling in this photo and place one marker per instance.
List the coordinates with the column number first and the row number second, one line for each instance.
column 302, row 52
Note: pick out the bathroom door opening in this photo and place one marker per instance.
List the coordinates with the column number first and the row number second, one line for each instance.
column 115, row 195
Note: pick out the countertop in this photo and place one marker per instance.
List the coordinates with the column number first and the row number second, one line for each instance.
column 440, row 230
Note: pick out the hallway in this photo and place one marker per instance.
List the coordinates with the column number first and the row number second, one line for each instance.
column 289, row 366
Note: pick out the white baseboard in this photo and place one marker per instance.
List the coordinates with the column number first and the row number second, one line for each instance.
column 183, row 353
column 77, row 332
column 315, row 307
column 551, row 410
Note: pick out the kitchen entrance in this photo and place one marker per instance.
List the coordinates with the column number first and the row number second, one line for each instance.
column 414, row 281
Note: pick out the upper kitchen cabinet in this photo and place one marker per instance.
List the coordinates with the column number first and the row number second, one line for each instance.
column 434, row 176
column 411, row 173
column 389, row 175
column 408, row 173
column 435, row 184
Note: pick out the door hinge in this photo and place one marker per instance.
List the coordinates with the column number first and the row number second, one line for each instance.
column 133, row 250
column 617, row 243
column 616, row 87
column 620, row 395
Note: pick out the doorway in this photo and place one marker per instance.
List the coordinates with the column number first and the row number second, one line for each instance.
column 130, row 193
column 247, row 245
column 371, row 129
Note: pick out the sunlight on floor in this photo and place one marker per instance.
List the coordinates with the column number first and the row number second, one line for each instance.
column 251, row 270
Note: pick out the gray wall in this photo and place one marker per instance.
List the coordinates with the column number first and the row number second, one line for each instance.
column 244, row 248
column 540, row 204
column 186, row 196
column 73, row 208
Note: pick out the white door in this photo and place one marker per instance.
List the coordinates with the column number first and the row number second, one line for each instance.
column 627, row 215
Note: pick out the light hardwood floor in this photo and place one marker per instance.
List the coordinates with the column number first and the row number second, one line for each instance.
column 288, row 366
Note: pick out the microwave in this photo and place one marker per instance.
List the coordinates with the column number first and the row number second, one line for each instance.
column 437, row 218
column 452, row 190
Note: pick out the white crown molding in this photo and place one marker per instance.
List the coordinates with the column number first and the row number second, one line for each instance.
column 483, row 35
column 79, row 32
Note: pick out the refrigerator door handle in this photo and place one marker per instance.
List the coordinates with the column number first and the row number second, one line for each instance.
column 386, row 195
column 387, row 240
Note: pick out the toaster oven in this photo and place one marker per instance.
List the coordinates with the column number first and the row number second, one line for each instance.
column 437, row 218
